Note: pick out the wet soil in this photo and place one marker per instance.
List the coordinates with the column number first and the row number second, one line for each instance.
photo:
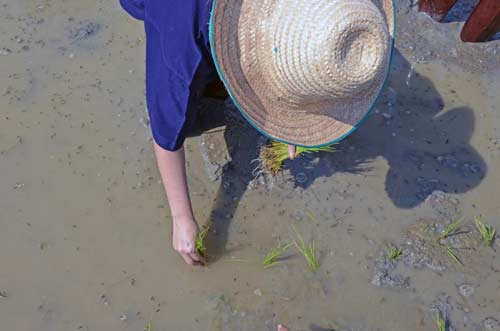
column 85, row 227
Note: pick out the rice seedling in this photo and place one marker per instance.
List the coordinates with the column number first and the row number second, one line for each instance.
column 148, row 327
column 309, row 252
column 272, row 258
column 486, row 231
column 440, row 323
column 393, row 252
column 450, row 229
column 451, row 253
column 200, row 245
column 311, row 216
column 273, row 155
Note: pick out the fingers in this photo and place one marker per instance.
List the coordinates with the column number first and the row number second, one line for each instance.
column 184, row 242
column 187, row 258
column 291, row 151
column 190, row 256
column 197, row 258
column 281, row 328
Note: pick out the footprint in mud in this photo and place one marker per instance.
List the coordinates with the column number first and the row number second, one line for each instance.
column 385, row 274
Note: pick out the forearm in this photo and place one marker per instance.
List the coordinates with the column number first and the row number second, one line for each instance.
column 185, row 229
column 173, row 173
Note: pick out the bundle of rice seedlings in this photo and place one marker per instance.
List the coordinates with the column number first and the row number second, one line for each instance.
column 273, row 154
column 200, row 245
column 440, row 322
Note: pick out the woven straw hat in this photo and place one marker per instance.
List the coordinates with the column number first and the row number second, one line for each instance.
column 304, row 72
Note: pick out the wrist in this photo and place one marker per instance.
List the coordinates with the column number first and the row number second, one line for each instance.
column 183, row 219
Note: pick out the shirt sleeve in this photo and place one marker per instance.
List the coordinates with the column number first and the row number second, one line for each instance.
column 134, row 8
column 177, row 23
column 170, row 103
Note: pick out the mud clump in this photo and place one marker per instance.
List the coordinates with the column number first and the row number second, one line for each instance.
column 84, row 30
column 466, row 290
column 444, row 307
column 491, row 324
column 5, row 51
column 214, row 165
column 430, row 244
column 386, row 275
column 445, row 206
column 211, row 127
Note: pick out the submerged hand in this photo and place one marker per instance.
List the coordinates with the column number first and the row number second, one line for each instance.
column 184, row 236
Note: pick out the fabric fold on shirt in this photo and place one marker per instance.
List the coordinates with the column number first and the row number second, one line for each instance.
column 178, row 63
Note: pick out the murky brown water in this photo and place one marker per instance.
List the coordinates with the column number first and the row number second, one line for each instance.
column 84, row 227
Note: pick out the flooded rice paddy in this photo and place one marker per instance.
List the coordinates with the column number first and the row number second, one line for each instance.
column 85, row 228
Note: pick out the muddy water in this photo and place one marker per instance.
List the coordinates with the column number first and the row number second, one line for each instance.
column 84, row 225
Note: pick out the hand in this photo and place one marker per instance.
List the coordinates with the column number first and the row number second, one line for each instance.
column 291, row 151
column 184, row 236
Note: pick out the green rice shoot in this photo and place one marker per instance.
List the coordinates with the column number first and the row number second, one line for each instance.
column 450, row 229
column 311, row 216
column 148, row 327
column 309, row 252
column 486, row 231
column 200, row 245
column 272, row 258
column 440, row 323
column 275, row 153
column 454, row 256
column 393, row 252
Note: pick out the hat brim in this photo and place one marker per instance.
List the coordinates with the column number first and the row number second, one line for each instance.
column 298, row 128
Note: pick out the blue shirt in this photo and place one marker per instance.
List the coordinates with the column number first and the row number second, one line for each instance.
column 178, row 63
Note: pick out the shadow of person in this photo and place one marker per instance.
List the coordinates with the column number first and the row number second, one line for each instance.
column 427, row 149
column 241, row 141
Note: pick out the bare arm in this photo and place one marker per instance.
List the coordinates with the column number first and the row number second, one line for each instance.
column 185, row 228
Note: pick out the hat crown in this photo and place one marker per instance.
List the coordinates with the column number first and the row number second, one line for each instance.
column 325, row 49
column 303, row 71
